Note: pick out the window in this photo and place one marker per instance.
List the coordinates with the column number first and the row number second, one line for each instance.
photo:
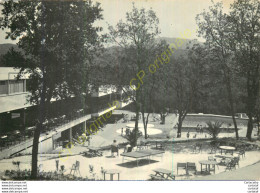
column 3, row 87
column 16, row 86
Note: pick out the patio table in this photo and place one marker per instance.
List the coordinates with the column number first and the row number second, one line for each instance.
column 207, row 163
column 152, row 152
column 112, row 173
column 227, row 148
column 136, row 155
column 141, row 154
column 164, row 174
column 224, row 156
column 159, row 144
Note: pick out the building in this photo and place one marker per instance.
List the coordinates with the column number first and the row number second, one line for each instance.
column 18, row 117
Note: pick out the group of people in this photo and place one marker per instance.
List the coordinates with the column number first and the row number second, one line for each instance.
column 127, row 131
column 115, row 148
column 199, row 129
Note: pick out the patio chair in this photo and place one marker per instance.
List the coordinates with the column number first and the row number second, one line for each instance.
column 40, row 170
column 213, row 149
column 231, row 165
column 197, row 148
column 75, row 168
column 134, row 148
column 236, row 160
column 182, row 166
column 242, row 153
column 128, row 148
column 114, row 149
column 191, row 166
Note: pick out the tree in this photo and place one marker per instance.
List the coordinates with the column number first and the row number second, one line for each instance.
column 245, row 25
column 136, row 39
column 214, row 27
column 185, row 85
column 58, row 41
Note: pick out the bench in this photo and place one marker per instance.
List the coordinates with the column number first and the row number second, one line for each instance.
column 154, row 177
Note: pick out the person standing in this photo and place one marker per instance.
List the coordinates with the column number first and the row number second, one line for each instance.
column 57, row 165
column 114, row 148
column 122, row 131
column 188, row 135
column 200, row 131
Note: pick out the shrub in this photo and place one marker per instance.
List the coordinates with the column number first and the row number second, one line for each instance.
column 214, row 128
column 132, row 136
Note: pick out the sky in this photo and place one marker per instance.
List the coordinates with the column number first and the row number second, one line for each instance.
column 175, row 16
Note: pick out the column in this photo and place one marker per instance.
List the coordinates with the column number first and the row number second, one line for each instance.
column 84, row 127
column 24, row 117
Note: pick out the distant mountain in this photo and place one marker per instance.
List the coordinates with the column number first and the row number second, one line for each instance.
column 187, row 43
column 114, row 49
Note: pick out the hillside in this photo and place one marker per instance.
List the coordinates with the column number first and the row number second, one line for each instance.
column 186, row 44
column 113, row 50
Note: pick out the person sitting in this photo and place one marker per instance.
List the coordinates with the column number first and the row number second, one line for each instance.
column 114, row 148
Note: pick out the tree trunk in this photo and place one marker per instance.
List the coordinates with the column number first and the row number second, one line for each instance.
column 258, row 125
column 257, row 122
column 179, row 127
column 235, row 125
column 36, row 137
column 249, row 127
column 231, row 101
column 163, row 119
column 145, row 123
column 136, row 121
column 145, row 126
column 39, row 125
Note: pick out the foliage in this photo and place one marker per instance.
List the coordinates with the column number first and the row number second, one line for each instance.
column 215, row 29
column 214, row 128
column 138, row 48
column 132, row 136
column 233, row 44
column 58, row 41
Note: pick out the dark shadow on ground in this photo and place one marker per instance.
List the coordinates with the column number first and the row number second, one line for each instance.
column 110, row 156
column 133, row 164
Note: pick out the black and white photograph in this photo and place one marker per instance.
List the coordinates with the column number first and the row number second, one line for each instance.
column 129, row 90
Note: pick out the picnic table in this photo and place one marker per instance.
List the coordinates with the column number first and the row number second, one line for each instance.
column 112, row 173
column 163, row 174
column 227, row 149
column 159, row 144
column 95, row 151
column 207, row 163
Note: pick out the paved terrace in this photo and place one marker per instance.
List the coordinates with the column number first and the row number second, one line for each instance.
column 129, row 169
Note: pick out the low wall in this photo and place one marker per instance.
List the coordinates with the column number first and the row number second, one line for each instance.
column 45, row 145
